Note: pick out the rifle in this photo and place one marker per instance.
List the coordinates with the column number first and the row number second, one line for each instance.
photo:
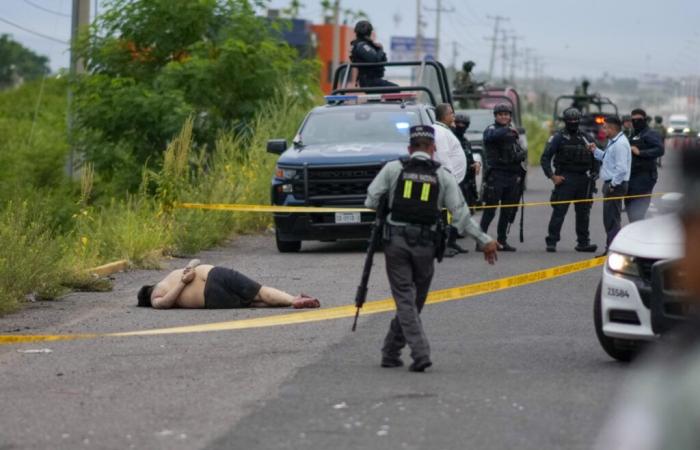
column 375, row 239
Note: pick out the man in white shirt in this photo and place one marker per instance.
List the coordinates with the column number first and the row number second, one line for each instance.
column 450, row 154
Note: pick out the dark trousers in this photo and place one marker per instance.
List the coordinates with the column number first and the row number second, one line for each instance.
column 640, row 184
column 612, row 210
column 576, row 186
column 504, row 188
column 410, row 271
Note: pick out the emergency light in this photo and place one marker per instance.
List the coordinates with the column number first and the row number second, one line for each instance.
column 599, row 120
column 357, row 99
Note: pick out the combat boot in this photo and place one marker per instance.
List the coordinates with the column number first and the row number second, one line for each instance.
column 587, row 248
column 551, row 248
column 390, row 362
column 420, row 364
column 505, row 247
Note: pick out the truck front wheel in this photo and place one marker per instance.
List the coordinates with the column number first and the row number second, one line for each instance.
column 286, row 246
column 621, row 349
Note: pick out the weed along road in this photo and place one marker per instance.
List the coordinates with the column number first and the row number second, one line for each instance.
column 516, row 368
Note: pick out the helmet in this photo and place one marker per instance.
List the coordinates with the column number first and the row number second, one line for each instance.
column 572, row 115
column 658, row 119
column 363, row 28
column 626, row 118
column 462, row 117
column 468, row 66
column 503, row 107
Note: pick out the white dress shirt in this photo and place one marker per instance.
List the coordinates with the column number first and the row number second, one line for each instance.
column 449, row 152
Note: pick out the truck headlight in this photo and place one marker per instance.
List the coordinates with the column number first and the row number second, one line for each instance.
column 670, row 129
column 285, row 174
column 623, row 264
column 686, row 130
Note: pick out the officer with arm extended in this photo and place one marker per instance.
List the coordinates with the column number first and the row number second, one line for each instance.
column 504, row 174
column 647, row 146
column 574, row 170
column 366, row 50
column 418, row 188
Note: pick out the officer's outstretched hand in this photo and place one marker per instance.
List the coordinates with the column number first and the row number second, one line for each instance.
column 491, row 252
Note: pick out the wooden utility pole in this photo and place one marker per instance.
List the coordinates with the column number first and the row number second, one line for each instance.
column 336, row 36
column 494, row 41
column 419, row 32
column 438, row 21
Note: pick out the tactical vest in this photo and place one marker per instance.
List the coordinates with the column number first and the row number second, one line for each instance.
column 642, row 164
column 505, row 154
column 416, row 195
column 573, row 156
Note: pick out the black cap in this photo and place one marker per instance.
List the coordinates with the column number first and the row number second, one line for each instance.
column 422, row 131
column 363, row 28
column 615, row 120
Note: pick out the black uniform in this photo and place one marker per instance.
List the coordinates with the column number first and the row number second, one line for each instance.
column 468, row 184
column 503, row 180
column 576, row 164
column 366, row 51
column 644, row 171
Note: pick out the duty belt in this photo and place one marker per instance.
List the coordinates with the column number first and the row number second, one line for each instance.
column 413, row 234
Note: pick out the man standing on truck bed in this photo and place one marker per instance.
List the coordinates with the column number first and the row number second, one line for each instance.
column 503, row 178
column 573, row 178
column 366, row 50
column 647, row 146
column 418, row 189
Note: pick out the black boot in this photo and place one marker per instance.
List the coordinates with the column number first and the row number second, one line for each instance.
column 505, row 247
column 586, row 248
column 551, row 248
column 420, row 365
column 390, row 362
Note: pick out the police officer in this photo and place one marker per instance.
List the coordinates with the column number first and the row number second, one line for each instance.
column 504, row 173
column 659, row 126
column 417, row 188
column 365, row 50
column 573, row 178
column 468, row 185
column 647, row 146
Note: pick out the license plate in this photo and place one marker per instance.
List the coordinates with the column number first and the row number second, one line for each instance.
column 347, row 217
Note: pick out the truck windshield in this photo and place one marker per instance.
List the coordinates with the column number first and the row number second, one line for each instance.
column 480, row 119
column 353, row 125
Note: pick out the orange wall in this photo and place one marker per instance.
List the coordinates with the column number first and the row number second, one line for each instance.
column 324, row 36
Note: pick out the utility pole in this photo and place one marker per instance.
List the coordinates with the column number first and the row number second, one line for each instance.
column 80, row 20
column 513, row 56
column 504, row 54
column 454, row 55
column 419, row 32
column 336, row 36
column 438, row 11
column 494, row 40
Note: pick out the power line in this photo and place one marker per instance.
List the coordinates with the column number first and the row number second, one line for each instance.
column 51, row 11
column 30, row 31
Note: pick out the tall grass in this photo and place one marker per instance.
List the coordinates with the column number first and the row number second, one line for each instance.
column 142, row 227
column 537, row 136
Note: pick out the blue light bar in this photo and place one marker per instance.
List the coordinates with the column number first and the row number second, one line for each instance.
column 341, row 98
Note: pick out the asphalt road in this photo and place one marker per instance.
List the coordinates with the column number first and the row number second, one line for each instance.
column 515, row 369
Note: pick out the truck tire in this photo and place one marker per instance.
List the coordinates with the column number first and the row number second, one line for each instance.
column 287, row 246
column 624, row 350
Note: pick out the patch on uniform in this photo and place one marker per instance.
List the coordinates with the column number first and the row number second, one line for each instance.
column 551, row 138
column 367, row 48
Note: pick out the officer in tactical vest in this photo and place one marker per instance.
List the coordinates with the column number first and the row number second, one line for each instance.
column 365, row 50
column 659, row 126
column 504, row 173
column 418, row 188
column 647, row 146
column 468, row 185
column 573, row 177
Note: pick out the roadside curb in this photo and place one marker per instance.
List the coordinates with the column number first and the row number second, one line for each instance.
column 109, row 268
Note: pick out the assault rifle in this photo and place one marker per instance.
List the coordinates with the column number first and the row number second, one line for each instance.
column 375, row 240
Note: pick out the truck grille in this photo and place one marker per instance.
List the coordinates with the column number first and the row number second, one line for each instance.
column 645, row 269
column 339, row 183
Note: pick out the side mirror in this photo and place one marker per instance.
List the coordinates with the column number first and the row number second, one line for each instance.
column 276, row 146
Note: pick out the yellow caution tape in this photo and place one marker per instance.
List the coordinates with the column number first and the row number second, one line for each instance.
column 317, row 209
column 338, row 312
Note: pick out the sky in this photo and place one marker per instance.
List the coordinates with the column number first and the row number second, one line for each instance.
column 623, row 38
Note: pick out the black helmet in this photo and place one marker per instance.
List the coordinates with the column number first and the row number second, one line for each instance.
column 658, row 119
column 572, row 115
column 463, row 118
column 363, row 28
column 468, row 66
column 503, row 107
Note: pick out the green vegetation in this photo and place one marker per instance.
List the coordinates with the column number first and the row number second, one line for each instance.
column 537, row 136
column 19, row 63
column 178, row 105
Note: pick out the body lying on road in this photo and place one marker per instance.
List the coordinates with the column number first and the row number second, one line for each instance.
column 213, row 287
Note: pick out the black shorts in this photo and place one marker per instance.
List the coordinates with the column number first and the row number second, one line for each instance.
column 226, row 288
